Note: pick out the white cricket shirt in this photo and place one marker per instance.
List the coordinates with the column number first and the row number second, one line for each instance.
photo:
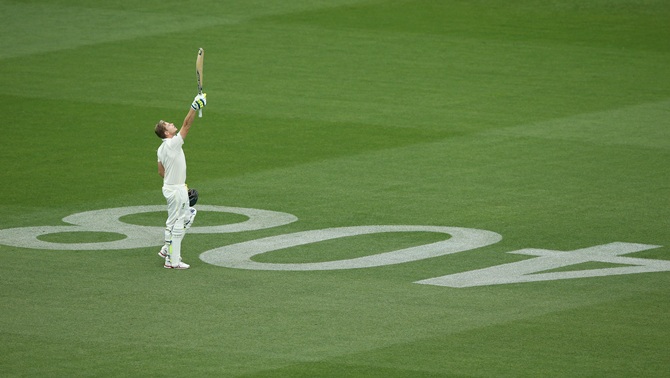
column 171, row 155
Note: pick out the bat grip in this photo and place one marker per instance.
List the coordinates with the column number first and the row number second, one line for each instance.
column 199, row 92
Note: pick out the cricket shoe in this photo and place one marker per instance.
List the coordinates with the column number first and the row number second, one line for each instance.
column 164, row 252
column 190, row 220
column 180, row 265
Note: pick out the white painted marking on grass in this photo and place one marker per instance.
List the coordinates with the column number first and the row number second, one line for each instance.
column 239, row 255
column 530, row 270
column 108, row 221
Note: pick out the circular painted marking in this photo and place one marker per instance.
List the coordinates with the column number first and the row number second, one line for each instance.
column 239, row 255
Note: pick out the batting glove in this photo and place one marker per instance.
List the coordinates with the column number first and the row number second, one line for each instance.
column 200, row 101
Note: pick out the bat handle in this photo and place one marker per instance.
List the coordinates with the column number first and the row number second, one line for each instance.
column 200, row 113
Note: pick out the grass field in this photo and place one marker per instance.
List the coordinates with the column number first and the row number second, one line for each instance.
column 546, row 122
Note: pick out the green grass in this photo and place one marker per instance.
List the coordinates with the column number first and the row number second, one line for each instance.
column 546, row 122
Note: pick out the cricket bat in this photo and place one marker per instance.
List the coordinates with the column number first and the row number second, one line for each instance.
column 198, row 72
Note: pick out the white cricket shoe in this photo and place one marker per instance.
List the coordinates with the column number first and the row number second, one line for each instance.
column 164, row 252
column 190, row 220
column 170, row 265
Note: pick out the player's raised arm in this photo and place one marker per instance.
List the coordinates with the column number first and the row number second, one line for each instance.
column 199, row 102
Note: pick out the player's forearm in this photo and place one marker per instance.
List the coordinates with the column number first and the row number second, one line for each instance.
column 188, row 121
column 199, row 102
column 190, row 116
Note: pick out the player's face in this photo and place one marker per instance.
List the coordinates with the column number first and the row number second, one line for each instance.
column 170, row 129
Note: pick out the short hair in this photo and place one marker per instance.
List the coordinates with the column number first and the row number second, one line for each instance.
column 160, row 129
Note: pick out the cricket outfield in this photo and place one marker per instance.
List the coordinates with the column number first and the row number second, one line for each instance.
column 387, row 189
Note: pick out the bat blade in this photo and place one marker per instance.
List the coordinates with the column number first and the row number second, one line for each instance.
column 199, row 63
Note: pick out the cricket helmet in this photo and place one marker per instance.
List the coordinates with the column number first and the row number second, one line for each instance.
column 192, row 197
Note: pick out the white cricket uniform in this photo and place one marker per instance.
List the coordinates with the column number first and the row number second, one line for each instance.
column 171, row 155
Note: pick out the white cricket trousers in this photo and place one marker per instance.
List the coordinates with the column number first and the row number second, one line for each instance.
column 178, row 213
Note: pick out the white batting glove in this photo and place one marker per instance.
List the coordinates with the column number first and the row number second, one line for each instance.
column 200, row 101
